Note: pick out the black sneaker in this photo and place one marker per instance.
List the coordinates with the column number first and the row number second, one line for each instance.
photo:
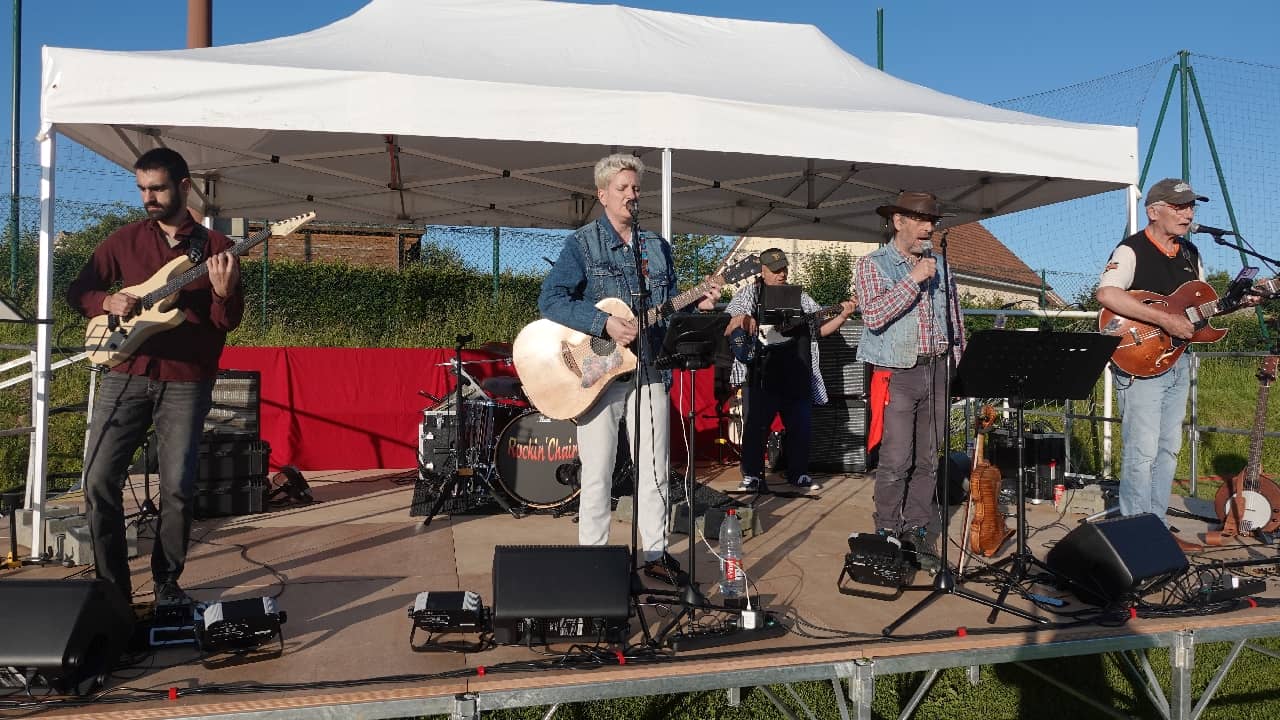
column 665, row 569
column 170, row 593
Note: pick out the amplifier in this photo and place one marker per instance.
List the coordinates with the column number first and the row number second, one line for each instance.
column 543, row 592
column 843, row 375
column 237, row 403
column 838, row 442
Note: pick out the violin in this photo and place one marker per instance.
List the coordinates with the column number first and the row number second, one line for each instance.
column 988, row 530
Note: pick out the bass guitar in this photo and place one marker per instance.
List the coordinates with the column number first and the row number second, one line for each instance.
column 988, row 530
column 111, row 339
column 563, row 371
column 745, row 347
column 1250, row 501
column 1147, row 350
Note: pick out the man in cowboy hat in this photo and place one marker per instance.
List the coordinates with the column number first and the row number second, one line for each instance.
column 900, row 289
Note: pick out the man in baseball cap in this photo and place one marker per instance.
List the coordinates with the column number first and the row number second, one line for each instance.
column 1157, row 259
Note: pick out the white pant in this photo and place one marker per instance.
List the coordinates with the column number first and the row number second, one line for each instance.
column 597, row 448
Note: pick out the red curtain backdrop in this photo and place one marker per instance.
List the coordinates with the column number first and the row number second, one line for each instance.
column 359, row 408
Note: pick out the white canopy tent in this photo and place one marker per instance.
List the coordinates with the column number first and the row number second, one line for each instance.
column 492, row 112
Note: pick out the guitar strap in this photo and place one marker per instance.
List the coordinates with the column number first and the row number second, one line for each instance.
column 197, row 244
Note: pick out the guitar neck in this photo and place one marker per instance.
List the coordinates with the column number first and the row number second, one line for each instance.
column 678, row 302
column 1254, row 468
column 1220, row 306
column 198, row 271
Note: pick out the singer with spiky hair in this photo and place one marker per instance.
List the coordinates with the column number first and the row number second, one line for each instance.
column 904, row 310
column 600, row 260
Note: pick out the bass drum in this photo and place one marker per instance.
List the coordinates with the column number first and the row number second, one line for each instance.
column 536, row 459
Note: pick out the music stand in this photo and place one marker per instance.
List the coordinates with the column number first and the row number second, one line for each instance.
column 692, row 342
column 779, row 304
column 1029, row 366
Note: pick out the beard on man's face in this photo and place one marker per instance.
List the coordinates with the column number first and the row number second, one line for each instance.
column 162, row 211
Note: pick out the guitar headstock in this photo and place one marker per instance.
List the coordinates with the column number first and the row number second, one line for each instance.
column 1267, row 371
column 747, row 267
column 288, row 225
column 985, row 420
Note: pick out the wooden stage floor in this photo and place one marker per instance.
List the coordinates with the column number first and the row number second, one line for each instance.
column 347, row 568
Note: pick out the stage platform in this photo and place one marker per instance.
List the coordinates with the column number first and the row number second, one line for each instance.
column 347, row 568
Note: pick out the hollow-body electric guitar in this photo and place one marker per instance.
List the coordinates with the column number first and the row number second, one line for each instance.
column 110, row 339
column 563, row 371
column 1147, row 350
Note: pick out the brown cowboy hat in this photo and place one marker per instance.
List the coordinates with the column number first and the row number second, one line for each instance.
column 913, row 203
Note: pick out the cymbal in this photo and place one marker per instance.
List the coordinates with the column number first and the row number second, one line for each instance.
column 475, row 362
column 501, row 349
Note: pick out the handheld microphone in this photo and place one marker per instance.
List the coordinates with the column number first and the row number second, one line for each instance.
column 926, row 249
column 1207, row 230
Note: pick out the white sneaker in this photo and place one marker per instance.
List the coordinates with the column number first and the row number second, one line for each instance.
column 750, row 483
column 804, row 482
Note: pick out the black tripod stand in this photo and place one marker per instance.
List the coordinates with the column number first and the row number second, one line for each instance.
column 1029, row 366
column 147, row 509
column 691, row 343
column 464, row 471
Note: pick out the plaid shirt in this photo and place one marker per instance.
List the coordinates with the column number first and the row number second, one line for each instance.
column 882, row 303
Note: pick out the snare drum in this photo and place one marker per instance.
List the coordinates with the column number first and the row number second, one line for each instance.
column 529, row 456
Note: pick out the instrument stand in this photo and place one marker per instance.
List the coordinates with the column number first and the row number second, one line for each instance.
column 1029, row 366
column 691, row 343
column 463, row 471
column 147, row 510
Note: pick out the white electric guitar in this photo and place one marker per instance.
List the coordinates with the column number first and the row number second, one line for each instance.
column 110, row 339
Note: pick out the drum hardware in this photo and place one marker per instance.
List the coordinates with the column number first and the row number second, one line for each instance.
column 463, row 474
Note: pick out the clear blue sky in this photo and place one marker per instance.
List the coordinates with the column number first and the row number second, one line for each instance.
column 982, row 50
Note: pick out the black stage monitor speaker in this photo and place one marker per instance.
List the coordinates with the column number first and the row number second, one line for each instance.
column 546, row 591
column 1114, row 559
column 64, row 635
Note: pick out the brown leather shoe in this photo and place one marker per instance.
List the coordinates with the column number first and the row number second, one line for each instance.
column 1186, row 546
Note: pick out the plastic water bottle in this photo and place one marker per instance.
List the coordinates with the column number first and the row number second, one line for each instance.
column 734, row 583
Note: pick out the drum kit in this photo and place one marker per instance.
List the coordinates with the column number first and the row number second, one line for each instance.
column 510, row 447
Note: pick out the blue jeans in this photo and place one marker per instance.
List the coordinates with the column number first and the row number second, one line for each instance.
column 126, row 406
column 1151, row 412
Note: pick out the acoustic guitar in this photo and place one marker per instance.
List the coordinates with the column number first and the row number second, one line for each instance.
column 1250, row 501
column 110, row 339
column 988, row 530
column 563, row 371
column 1146, row 350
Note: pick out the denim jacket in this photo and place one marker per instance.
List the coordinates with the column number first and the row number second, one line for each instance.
column 595, row 264
column 897, row 344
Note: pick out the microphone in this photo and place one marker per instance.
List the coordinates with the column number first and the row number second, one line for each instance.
column 926, row 249
column 633, row 207
column 1216, row 232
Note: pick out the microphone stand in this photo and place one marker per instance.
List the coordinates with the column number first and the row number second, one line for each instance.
column 639, row 309
column 1219, row 239
column 944, row 583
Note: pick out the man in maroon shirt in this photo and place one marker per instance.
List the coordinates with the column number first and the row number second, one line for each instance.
column 168, row 382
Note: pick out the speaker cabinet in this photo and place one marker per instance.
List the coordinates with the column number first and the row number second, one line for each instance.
column 1116, row 559
column 64, row 635
column 843, row 375
column 838, row 442
column 237, row 403
column 543, row 592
